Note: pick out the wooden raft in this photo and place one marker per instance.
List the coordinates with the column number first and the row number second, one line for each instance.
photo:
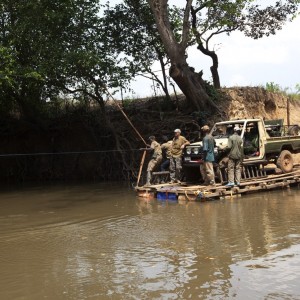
column 184, row 192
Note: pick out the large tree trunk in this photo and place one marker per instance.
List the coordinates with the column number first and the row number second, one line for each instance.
column 191, row 84
column 188, row 81
column 215, row 73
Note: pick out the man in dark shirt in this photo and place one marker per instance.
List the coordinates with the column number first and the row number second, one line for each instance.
column 235, row 144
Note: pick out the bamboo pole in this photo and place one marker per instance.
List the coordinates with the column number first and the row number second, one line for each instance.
column 141, row 167
column 288, row 111
column 136, row 131
column 126, row 117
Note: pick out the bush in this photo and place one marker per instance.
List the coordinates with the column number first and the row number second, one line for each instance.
column 273, row 87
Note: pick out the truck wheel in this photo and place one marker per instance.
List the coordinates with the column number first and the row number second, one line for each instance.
column 294, row 130
column 285, row 161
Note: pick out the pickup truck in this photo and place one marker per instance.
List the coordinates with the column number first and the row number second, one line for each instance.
column 264, row 142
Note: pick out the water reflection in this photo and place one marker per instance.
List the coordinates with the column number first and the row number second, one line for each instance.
column 274, row 276
column 98, row 242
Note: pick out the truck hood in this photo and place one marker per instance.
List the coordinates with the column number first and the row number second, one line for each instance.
column 221, row 143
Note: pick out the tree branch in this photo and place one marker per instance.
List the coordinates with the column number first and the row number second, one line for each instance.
column 160, row 11
column 80, row 90
column 186, row 24
column 219, row 31
column 200, row 8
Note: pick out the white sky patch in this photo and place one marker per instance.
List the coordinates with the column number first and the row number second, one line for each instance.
column 237, row 54
column 238, row 80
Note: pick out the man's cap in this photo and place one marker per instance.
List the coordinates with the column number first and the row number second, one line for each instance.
column 177, row 130
column 236, row 128
column 205, row 128
column 151, row 137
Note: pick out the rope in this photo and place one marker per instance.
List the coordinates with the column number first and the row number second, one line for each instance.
column 197, row 193
column 65, row 153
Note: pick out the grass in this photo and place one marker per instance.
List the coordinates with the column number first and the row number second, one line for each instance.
column 276, row 88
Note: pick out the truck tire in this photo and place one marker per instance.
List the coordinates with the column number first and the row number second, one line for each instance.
column 285, row 161
column 294, row 130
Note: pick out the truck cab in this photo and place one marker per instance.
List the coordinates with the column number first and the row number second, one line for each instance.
column 253, row 133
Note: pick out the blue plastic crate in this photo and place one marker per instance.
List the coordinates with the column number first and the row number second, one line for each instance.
column 166, row 196
column 172, row 196
column 161, row 196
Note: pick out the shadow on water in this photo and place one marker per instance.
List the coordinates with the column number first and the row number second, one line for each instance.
column 98, row 241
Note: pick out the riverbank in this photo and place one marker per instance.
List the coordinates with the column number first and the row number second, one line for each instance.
column 77, row 142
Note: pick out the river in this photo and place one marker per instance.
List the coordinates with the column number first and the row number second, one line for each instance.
column 98, row 241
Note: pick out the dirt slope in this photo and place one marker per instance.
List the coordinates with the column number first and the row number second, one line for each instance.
column 248, row 102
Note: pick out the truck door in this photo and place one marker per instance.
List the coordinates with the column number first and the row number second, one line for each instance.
column 252, row 140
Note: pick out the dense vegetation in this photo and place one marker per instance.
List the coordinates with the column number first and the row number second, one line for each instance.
column 59, row 54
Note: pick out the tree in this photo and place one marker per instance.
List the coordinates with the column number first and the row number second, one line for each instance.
column 220, row 16
column 31, row 33
column 190, row 82
column 59, row 48
column 54, row 47
column 139, row 41
column 211, row 18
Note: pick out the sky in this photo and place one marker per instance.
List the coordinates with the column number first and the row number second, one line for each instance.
column 244, row 61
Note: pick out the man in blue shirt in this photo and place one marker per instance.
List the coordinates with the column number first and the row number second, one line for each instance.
column 207, row 169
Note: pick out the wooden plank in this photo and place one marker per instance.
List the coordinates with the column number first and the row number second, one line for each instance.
column 161, row 173
column 252, row 185
column 236, row 190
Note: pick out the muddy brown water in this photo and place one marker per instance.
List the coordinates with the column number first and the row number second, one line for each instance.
column 98, row 241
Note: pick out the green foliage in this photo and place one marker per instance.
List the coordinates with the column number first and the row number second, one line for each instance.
column 276, row 88
column 49, row 48
column 58, row 48
column 139, row 42
column 213, row 93
column 127, row 101
column 7, row 66
column 211, row 18
column 273, row 87
column 253, row 19
column 296, row 95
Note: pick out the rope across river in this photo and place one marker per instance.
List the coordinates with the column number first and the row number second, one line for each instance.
column 65, row 153
column 3, row 155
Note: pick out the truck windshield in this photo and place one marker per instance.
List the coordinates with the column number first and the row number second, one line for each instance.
column 225, row 129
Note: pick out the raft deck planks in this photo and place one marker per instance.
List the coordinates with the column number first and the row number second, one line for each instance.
column 202, row 193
